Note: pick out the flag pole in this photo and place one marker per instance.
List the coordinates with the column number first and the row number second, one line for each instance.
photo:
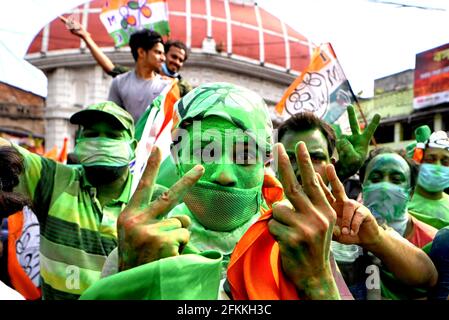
column 356, row 100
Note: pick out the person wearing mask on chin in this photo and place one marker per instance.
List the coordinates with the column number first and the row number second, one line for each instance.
column 430, row 203
column 78, row 206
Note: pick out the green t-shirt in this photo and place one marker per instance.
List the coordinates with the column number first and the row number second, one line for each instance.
column 77, row 234
column 432, row 212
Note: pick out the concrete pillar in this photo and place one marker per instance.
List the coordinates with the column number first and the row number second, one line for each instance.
column 398, row 132
column 438, row 122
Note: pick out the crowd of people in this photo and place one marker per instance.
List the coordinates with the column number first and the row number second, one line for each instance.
column 245, row 215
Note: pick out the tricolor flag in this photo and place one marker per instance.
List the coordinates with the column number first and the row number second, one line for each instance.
column 322, row 89
column 122, row 17
column 158, row 122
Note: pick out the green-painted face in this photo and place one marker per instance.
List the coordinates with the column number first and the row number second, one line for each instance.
column 316, row 145
column 101, row 144
column 230, row 192
column 229, row 157
column 388, row 167
column 105, row 130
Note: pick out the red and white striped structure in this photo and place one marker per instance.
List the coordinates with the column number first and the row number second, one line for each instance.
column 239, row 29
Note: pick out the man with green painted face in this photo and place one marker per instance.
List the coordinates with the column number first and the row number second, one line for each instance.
column 78, row 206
column 430, row 203
column 388, row 182
column 320, row 140
column 222, row 137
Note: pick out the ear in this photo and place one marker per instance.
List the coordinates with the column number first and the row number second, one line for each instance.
column 141, row 53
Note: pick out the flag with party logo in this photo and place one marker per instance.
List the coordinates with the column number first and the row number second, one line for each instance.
column 123, row 17
column 322, row 88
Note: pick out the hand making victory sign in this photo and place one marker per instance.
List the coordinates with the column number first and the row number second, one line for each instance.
column 143, row 236
column 302, row 226
column 355, row 223
column 352, row 149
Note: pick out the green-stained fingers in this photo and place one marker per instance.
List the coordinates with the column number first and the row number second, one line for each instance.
column 169, row 199
column 310, row 183
column 338, row 190
column 178, row 238
column 174, row 223
column 292, row 188
column 329, row 196
column 142, row 196
column 279, row 231
column 185, row 220
column 344, row 147
column 355, row 128
column 283, row 212
column 372, row 126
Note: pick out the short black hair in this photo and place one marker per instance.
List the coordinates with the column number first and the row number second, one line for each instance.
column 382, row 150
column 12, row 164
column 145, row 39
column 178, row 44
column 304, row 121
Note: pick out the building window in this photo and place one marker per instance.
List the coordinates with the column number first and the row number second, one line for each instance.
column 409, row 128
column 384, row 133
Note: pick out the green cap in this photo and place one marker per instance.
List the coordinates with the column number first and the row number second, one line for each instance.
column 105, row 111
column 242, row 107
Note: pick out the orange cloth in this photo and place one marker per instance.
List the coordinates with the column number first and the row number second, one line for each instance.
column 19, row 279
column 255, row 271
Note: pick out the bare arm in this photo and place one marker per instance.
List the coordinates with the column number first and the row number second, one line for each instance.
column 356, row 225
column 78, row 30
column 408, row 263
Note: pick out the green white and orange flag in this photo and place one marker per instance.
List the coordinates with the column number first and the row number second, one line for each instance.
column 154, row 128
column 122, row 17
column 322, row 88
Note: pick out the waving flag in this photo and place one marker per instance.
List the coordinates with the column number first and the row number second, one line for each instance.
column 322, row 89
column 154, row 128
column 122, row 17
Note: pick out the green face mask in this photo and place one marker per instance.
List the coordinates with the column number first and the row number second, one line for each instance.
column 222, row 208
column 101, row 151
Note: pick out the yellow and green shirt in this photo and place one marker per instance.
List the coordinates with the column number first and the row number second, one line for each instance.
column 77, row 234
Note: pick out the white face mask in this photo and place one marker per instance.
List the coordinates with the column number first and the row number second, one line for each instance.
column 433, row 178
column 388, row 203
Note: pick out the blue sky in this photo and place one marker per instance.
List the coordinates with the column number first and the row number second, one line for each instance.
column 371, row 40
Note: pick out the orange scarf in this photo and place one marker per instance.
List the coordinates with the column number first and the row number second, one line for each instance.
column 255, row 270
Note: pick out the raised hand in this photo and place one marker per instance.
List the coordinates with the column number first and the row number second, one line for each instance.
column 142, row 235
column 355, row 223
column 75, row 27
column 353, row 149
column 303, row 226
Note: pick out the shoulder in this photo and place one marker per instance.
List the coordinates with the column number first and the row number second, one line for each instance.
column 124, row 76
